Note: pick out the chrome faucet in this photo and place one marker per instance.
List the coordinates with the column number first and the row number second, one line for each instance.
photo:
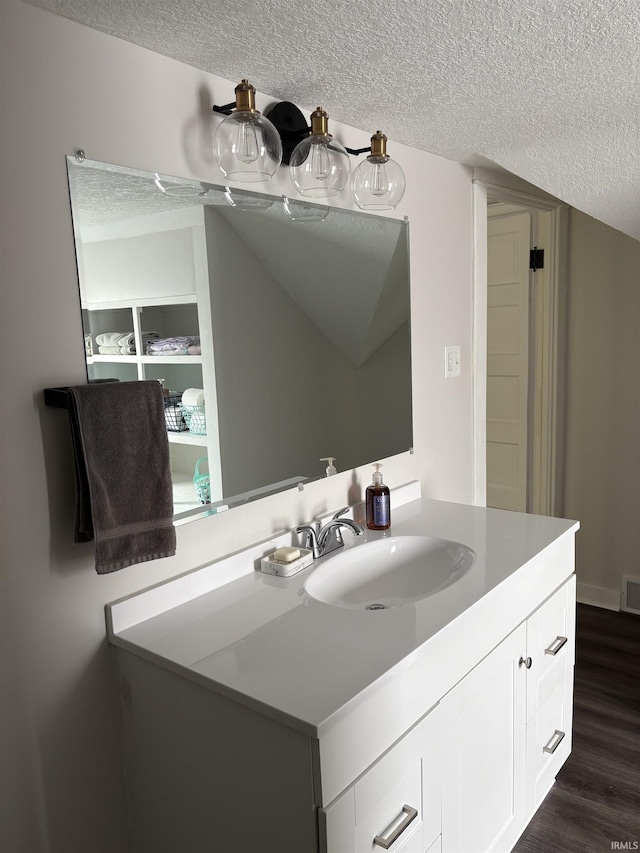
column 324, row 540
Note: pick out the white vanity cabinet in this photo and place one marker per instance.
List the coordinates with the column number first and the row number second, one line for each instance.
column 258, row 719
column 507, row 730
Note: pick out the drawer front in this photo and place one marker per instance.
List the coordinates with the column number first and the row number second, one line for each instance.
column 384, row 809
column 548, row 742
column 550, row 645
column 436, row 847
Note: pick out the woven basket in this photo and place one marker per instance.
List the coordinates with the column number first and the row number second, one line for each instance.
column 173, row 414
column 202, row 482
column 195, row 418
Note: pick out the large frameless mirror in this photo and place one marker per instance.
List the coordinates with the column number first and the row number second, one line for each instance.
column 279, row 329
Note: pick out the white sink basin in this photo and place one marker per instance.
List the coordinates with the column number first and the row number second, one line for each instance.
column 389, row 572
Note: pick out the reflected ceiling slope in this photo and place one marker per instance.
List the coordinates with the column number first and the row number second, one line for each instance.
column 547, row 90
column 325, row 256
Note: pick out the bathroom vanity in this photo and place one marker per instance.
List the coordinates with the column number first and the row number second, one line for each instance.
column 258, row 717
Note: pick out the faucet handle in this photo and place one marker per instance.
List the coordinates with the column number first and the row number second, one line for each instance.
column 311, row 539
column 340, row 512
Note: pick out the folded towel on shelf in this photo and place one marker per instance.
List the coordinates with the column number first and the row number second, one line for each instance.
column 124, row 339
column 129, row 340
column 172, row 346
column 196, row 349
column 124, row 493
column 116, row 350
column 111, row 339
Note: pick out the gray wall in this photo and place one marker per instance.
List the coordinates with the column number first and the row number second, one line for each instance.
column 65, row 86
column 602, row 462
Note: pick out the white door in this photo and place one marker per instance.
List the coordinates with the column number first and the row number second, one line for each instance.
column 507, row 360
column 483, row 737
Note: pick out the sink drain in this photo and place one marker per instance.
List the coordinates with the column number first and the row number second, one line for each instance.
column 376, row 607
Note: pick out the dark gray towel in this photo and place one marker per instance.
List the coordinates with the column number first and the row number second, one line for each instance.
column 124, row 494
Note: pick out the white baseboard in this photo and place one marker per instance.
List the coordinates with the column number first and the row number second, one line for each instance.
column 598, row 596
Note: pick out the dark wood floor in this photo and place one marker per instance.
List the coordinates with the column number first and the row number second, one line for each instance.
column 596, row 798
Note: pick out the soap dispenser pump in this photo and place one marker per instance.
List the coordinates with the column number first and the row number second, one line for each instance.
column 378, row 502
column 331, row 469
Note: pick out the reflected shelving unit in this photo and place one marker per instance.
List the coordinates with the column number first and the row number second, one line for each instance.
column 144, row 275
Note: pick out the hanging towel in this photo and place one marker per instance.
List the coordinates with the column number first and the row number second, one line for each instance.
column 124, row 494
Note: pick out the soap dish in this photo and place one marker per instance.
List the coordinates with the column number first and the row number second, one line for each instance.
column 286, row 570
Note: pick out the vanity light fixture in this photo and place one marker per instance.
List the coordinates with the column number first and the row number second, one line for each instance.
column 178, row 190
column 246, row 144
column 378, row 182
column 319, row 165
column 247, row 202
column 299, row 211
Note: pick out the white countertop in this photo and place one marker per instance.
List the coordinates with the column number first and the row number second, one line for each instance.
column 265, row 642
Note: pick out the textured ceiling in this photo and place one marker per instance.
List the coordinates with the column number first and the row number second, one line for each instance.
column 546, row 89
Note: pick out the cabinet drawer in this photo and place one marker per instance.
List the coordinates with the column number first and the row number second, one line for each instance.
column 548, row 742
column 550, row 645
column 386, row 803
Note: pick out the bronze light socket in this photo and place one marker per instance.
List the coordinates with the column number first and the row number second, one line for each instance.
column 245, row 97
column 319, row 122
column 379, row 145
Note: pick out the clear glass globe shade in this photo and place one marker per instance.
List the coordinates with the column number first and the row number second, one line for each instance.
column 378, row 183
column 319, row 167
column 300, row 211
column 247, row 147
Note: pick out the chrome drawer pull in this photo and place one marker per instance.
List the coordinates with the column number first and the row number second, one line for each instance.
column 554, row 743
column 555, row 647
column 526, row 661
column 411, row 814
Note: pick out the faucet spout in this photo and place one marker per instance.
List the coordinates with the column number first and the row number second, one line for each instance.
column 324, row 540
column 330, row 537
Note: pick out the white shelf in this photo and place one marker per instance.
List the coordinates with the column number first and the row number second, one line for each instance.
column 171, row 359
column 150, row 302
column 187, row 438
column 112, row 359
column 144, row 359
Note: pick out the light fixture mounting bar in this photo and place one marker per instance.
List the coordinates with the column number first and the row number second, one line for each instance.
column 290, row 124
column 226, row 109
column 357, row 151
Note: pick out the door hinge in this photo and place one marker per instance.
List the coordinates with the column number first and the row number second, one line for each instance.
column 536, row 259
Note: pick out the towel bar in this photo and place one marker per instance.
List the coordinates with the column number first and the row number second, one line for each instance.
column 57, row 397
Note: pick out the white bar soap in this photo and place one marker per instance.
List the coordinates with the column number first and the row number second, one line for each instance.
column 286, row 555
column 285, row 562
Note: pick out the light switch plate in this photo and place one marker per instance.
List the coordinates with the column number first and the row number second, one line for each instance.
column 451, row 362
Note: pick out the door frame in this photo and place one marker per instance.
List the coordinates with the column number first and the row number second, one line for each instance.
column 549, row 307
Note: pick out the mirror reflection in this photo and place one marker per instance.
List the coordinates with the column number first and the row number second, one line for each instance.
column 279, row 329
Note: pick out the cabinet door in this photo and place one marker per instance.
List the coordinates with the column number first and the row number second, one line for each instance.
column 483, row 725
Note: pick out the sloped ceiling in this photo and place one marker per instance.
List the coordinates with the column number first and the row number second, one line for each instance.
column 545, row 89
column 348, row 274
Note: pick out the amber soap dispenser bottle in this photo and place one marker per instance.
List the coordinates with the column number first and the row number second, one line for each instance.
column 378, row 503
